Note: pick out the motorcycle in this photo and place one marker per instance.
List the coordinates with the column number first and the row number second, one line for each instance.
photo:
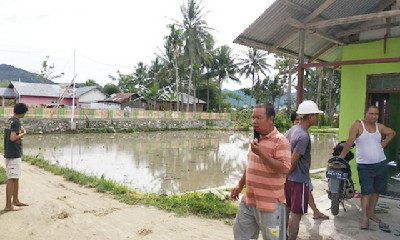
column 340, row 185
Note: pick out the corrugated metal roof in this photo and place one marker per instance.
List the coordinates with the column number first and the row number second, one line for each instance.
column 8, row 93
column 118, row 97
column 82, row 90
column 270, row 28
column 183, row 98
column 40, row 89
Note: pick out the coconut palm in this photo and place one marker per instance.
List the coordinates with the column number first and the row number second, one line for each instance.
column 124, row 82
column 254, row 64
column 151, row 94
column 196, row 35
column 224, row 67
column 140, row 75
column 170, row 57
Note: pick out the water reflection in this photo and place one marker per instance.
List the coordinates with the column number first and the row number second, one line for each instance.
column 164, row 162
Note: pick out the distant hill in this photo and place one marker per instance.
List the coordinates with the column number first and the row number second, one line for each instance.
column 244, row 102
column 10, row 73
column 246, row 99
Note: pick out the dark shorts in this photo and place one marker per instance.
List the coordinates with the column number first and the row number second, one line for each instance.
column 373, row 178
column 296, row 197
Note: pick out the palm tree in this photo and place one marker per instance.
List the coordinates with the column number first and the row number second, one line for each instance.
column 196, row 35
column 141, row 74
column 124, row 82
column 286, row 68
column 152, row 94
column 225, row 68
column 172, row 47
column 254, row 63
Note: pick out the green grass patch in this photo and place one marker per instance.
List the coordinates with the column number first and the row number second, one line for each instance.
column 317, row 176
column 3, row 176
column 323, row 129
column 201, row 204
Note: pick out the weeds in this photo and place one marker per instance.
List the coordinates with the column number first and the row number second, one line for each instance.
column 3, row 177
column 201, row 204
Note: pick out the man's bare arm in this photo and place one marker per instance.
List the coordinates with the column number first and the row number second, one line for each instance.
column 295, row 161
column 353, row 134
column 238, row 189
column 14, row 137
column 388, row 133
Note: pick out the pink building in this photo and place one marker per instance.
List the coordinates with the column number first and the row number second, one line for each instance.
column 41, row 94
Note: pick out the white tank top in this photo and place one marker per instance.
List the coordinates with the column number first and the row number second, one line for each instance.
column 369, row 147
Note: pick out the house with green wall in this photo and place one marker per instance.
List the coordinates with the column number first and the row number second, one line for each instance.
column 377, row 84
column 359, row 38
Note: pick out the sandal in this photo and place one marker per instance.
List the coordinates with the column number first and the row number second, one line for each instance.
column 384, row 227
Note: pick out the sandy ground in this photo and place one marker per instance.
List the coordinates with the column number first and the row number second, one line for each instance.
column 63, row 210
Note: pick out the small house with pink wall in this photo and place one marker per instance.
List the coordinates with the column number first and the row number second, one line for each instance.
column 41, row 94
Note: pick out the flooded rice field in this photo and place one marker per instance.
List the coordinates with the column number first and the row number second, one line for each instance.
column 167, row 162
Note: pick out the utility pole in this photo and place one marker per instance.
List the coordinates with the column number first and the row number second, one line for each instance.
column 73, row 96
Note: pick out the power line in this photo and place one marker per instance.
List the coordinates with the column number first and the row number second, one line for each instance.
column 105, row 64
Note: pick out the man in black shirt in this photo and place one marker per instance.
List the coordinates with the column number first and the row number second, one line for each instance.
column 13, row 134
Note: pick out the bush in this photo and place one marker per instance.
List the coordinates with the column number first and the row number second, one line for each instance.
column 3, row 177
column 243, row 118
column 282, row 123
column 324, row 120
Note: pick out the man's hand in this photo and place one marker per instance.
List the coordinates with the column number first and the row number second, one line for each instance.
column 235, row 193
column 255, row 147
column 22, row 132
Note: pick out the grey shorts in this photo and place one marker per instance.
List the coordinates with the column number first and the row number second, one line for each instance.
column 13, row 168
column 250, row 221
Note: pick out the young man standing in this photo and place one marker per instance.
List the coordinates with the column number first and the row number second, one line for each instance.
column 267, row 167
column 371, row 138
column 317, row 214
column 296, row 186
column 13, row 134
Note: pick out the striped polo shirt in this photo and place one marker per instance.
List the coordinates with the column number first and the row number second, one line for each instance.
column 264, row 185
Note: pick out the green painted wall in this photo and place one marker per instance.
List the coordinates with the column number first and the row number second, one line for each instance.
column 353, row 82
column 393, row 149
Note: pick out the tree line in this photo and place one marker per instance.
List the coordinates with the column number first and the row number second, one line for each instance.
column 190, row 62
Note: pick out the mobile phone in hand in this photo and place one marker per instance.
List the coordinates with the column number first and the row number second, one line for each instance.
column 257, row 136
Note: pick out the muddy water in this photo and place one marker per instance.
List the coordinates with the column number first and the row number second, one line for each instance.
column 165, row 162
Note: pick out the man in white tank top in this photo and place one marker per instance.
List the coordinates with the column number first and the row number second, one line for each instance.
column 371, row 166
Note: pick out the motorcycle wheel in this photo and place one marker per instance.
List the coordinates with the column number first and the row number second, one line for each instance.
column 335, row 203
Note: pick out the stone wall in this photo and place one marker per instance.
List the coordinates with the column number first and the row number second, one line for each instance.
column 64, row 125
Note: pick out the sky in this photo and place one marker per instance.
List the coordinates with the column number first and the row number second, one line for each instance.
column 107, row 36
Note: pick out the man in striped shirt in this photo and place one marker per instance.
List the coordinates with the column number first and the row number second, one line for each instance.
column 262, row 206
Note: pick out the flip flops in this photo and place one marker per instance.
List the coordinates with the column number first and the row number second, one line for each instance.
column 384, row 227
column 323, row 217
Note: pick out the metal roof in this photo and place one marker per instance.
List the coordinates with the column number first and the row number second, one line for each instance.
column 8, row 93
column 82, row 90
column 39, row 89
column 272, row 28
column 118, row 97
column 183, row 98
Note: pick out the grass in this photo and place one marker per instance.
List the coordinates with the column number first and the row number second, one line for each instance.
column 3, row 177
column 317, row 176
column 323, row 129
column 201, row 204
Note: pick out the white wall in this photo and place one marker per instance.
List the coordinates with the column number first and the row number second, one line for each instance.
column 93, row 95
column 105, row 106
